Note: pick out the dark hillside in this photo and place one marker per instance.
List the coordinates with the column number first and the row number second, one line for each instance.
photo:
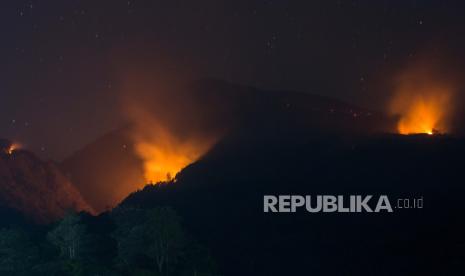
column 221, row 199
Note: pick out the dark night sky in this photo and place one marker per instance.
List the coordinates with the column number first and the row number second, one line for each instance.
column 59, row 90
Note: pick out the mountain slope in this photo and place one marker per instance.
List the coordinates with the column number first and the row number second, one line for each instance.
column 36, row 188
column 105, row 171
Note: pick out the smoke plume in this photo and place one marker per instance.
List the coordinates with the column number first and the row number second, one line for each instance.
column 423, row 97
column 170, row 128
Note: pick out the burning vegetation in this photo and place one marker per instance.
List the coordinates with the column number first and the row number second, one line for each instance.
column 13, row 147
column 423, row 100
column 163, row 154
column 167, row 133
column 423, row 112
column 8, row 147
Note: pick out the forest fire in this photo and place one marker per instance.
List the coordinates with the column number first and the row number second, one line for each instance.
column 423, row 102
column 164, row 155
column 13, row 147
column 164, row 149
column 8, row 147
column 424, row 114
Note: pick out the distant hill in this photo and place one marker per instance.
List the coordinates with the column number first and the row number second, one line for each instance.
column 34, row 188
column 245, row 107
column 105, row 171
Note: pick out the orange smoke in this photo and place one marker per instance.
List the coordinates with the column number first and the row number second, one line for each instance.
column 170, row 126
column 162, row 148
column 164, row 155
column 422, row 112
column 423, row 100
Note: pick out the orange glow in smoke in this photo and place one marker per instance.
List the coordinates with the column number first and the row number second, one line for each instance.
column 164, row 155
column 166, row 133
column 423, row 102
column 423, row 113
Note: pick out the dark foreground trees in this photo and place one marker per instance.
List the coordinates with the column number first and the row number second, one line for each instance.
column 68, row 237
column 128, row 241
column 154, row 240
column 18, row 254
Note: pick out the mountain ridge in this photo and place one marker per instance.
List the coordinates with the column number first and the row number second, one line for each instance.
column 36, row 188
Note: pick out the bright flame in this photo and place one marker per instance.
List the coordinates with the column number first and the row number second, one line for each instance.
column 13, row 147
column 423, row 113
column 164, row 155
column 423, row 102
column 164, row 151
column 170, row 128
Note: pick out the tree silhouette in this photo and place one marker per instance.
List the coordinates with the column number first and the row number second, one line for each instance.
column 18, row 253
column 128, row 235
column 155, row 235
column 148, row 242
column 68, row 236
column 165, row 237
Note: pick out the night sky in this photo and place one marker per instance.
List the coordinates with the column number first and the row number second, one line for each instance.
column 59, row 89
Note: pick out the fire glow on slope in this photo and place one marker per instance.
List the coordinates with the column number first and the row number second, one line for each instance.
column 13, row 147
column 422, row 101
column 422, row 112
column 164, row 155
column 164, row 149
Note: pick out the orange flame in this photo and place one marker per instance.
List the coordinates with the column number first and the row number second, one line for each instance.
column 13, row 147
column 424, row 113
column 164, row 155
column 164, row 151
column 423, row 102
